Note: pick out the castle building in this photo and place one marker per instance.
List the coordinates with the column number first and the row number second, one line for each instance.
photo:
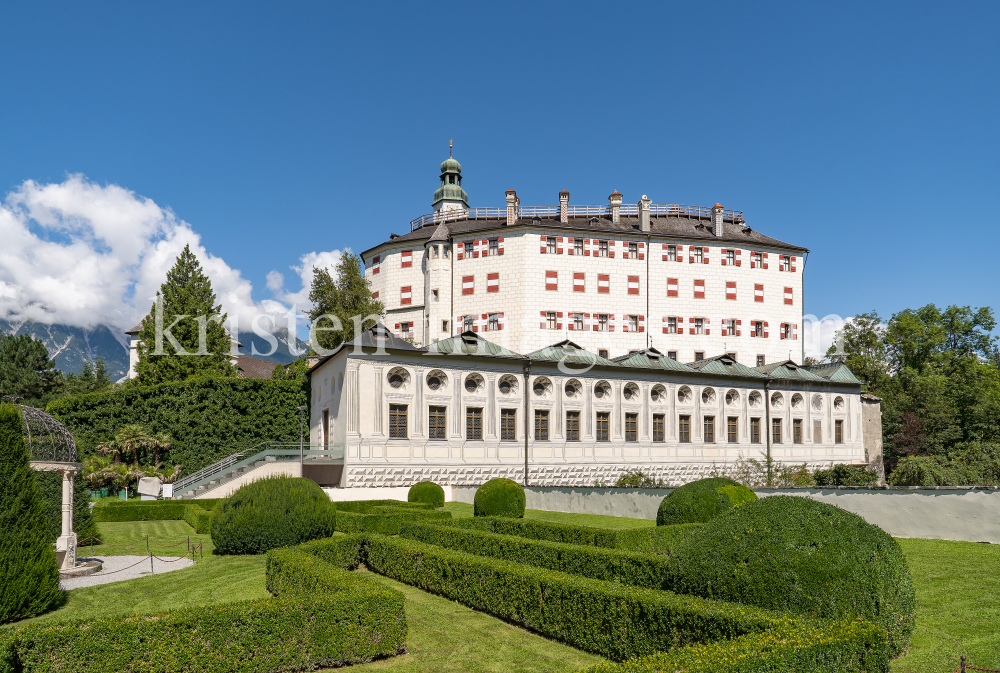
column 688, row 281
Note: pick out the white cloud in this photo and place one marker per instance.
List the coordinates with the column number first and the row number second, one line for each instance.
column 819, row 333
column 83, row 254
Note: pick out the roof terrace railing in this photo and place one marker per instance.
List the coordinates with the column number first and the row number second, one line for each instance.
column 671, row 209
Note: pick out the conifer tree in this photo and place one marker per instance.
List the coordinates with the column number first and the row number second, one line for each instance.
column 26, row 370
column 348, row 296
column 29, row 577
column 187, row 292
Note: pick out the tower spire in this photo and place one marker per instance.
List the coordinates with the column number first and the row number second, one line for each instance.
column 450, row 195
column 450, row 143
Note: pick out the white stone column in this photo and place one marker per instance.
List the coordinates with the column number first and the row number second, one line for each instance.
column 67, row 541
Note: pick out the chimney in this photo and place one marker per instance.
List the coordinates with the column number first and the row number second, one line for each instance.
column 513, row 206
column 564, row 206
column 616, row 204
column 717, row 220
column 644, row 213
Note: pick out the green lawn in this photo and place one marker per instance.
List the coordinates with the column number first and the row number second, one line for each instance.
column 166, row 538
column 958, row 605
column 461, row 510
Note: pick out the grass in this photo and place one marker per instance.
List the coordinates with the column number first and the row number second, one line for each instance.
column 166, row 538
column 446, row 637
column 461, row 510
column 958, row 605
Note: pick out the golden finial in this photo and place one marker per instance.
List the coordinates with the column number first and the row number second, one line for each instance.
column 450, row 141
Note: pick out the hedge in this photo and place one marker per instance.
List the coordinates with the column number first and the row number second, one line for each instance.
column 499, row 497
column 207, row 419
column 321, row 616
column 792, row 646
column 426, row 491
column 277, row 511
column 802, row 557
column 701, row 501
column 386, row 520
column 192, row 511
column 660, row 539
column 641, row 570
column 610, row 619
column 364, row 506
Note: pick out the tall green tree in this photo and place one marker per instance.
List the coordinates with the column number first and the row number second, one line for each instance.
column 93, row 377
column 26, row 370
column 860, row 345
column 29, row 577
column 184, row 335
column 345, row 297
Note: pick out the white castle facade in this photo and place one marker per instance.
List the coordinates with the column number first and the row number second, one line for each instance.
column 575, row 343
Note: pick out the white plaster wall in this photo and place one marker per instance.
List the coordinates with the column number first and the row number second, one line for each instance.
column 284, row 468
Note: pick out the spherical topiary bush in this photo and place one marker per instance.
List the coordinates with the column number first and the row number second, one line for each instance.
column 499, row 497
column 273, row 512
column 797, row 555
column 701, row 501
column 426, row 491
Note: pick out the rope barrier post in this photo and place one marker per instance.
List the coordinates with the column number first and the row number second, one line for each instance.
column 189, row 542
column 201, row 551
column 151, row 572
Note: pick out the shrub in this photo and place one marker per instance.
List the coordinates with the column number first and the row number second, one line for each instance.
column 636, row 478
column 321, row 617
column 273, row 512
column 197, row 513
column 386, row 519
column 365, row 506
column 845, row 475
column 207, row 419
column 614, row 620
column 801, row 556
column 701, row 501
column 426, row 491
column 50, row 488
column 499, row 497
column 639, row 570
column 29, row 577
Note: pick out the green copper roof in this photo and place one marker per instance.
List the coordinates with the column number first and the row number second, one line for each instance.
column 451, row 165
column 835, row 371
column 451, row 184
column 724, row 365
column 790, row 371
column 651, row 359
column 470, row 343
column 571, row 354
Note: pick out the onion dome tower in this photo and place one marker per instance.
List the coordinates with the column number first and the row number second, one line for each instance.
column 450, row 195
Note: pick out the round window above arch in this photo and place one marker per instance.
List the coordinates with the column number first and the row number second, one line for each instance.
column 817, row 402
column 602, row 390
column 797, row 401
column 398, row 378
column 631, row 392
column 437, row 380
column 684, row 395
column 541, row 386
column 707, row 396
column 754, row 399
column 732, row 398
column 777, row 400
column 474, row 383
column 573, row 388
column 658, row 393
column 507, row 385
column 838, row 403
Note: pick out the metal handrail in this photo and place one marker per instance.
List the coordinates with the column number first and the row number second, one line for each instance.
column 672, row 209
column 231, row 463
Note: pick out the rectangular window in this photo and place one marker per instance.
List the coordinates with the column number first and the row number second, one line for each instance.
column 404, row 329
column 730, row 327
column 684, row 429
column 633, row 284
column 631, row 427
column 731, row 427
column 603, row 283
column 761, row 361
column 602, row 248
column 699, row 325
column 444, row 325
column 776, row 431
column 733, row 356
column 817, row 432
column 493, row 282
column 578, row 246
column 435, row 251
column 468, row 323
column 579, row 282
column 796, row 431
column 468, row 284
column 699, row 356
column 397, row 421
column 671, row 253
column 494, row 247
column 572, row 426
column 603, row 353
column 508, row 425
column 658, row 429
column 755, row 431
column 757, row 260
column 550, row 320
column 697, row 256
column 602, row 322
column 435, row 423
column 838, row 432
column 633, row 323
column 376, row 264
column 672, row 326
column 633, row 251
column 577, row 321
column 709, row 429
column 326, row 428
column 406, row 294
column 407, row 259
column 550, row 245
column 758, row 329
column 551, row 280
column 474, row 423
column 434, row 295
column 785, row 263
column 470, row 247
column 699, row 289
column 603, row 423
column 789, row 296
column 672, row 355
column 731, row 257
column 494, row 322
column 541, row 425
column 731, row 290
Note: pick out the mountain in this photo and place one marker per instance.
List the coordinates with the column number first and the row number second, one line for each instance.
column 70, row 346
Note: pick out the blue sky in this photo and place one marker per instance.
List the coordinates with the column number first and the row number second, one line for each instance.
column 865, row 131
